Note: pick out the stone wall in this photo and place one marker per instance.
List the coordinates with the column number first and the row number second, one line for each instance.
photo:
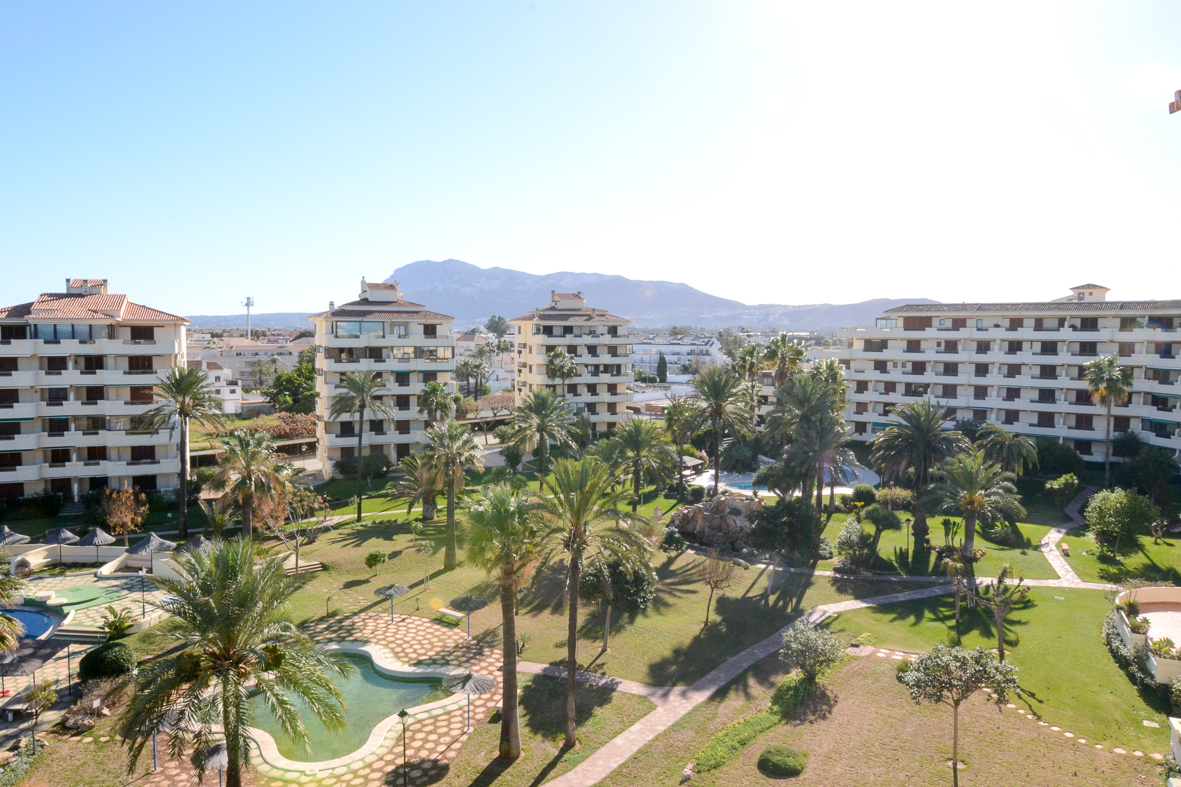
column 722, row 521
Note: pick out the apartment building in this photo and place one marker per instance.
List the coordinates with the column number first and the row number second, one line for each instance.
column 1021, row 365
column 601, row 344
column 407, row 345
column 703, row 351
column 240, row 357
column 77, row 370
column 227, row 390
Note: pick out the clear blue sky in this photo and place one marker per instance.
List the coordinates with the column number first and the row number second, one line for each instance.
column 768, row 152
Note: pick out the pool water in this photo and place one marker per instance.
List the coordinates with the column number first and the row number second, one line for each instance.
column 369, row 696
column 35, row 623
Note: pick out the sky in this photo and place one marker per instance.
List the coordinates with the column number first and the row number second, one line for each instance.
column 769, row 152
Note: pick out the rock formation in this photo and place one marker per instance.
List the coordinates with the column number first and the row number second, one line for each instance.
column 722, row 521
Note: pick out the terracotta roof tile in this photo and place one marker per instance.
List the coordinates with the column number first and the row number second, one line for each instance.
column 16, row 312
column 1089, row 287
column 375, row 313
column 87, row 282
column 585, row 314
column 137, row 312
column 378, row 285
column 71, row 306
column 1035, row 307
column 567, row 295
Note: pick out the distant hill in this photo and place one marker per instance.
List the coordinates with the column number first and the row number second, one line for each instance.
column 297, row 320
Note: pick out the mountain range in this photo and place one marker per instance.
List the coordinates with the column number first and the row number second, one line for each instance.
column 472, row 294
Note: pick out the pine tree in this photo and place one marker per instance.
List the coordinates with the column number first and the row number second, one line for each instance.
column 662, row 369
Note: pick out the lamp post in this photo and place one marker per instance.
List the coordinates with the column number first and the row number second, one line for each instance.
column 69, row 671
column 403, row 715
column 143, row 597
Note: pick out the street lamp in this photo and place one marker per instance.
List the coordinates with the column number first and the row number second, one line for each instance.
column 403, row 715
column 143, row 597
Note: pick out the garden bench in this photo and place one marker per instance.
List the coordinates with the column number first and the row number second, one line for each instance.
column 451, row 617
column 1065, row 550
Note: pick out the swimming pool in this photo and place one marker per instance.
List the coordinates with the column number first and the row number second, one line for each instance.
column 35, row 623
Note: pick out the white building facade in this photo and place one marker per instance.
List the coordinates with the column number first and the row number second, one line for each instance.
column 703, row 351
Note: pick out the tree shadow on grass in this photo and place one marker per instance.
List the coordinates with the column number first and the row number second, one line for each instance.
column 348, row 534
column 817, row 707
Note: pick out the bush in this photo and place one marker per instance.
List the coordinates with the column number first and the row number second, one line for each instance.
column 864, row 639
column 780, row 760
column 824, row 549
column 696, row 494
column 673, row 542
column 812, row 649
column 512, row 456
column 737, row 458
column 1055, row 459
column 904, row 667
column 1138, row 625
column 109, row 660
column 854, row 544
column 790, row 693
column 895, row 498
column 865, row 494
column 375, row 559
column 1130, row 606
column 729, row 743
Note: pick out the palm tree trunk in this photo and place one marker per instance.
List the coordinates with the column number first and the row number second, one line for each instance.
column 832, row 492
column 680, row 472
column 1000, row 636
column 248, row 516
column 360, row 449
column 572, row 650
column 510, row 723
column 957, row 600
column 233, row 739
column 184, row 478
column 819, row 489
column 607, row 631
column 717, row 455
column 1107, row 450
column 955, row 746
column 920, row 529
column 637, row 479
column 542, row 445
column 450, row 558
column 969, row 534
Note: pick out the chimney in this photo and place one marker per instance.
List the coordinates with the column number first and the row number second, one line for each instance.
column 331, row 306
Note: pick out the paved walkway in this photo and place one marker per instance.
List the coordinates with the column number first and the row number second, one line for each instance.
column 1049, row 544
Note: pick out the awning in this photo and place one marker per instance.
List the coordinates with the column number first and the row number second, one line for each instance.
column 979, row 409
column 1158, row 421
column 882, row 426
column 1084, row 439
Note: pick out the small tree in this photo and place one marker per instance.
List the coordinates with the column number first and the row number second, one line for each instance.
column 116, row 622
column 790, row 527
column 296, row 516
column 895, row 498
column 662, row 368
column 613, row 585
column 425, row 547
column 813, row 650
column 882, row 519
column 1115, row 513
column 375, row 559
column 865, row 494
column 949, row 676
column 37, row 701
column 1000, row 598
column 124, row 511
column 1063, row 489
column 854, row 545
column 718, row 576
column 957, row 572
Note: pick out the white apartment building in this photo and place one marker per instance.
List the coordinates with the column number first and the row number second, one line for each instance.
column 705, row 351
column 225, row 387
column 77, row 370
column 1021, row 365
column 404, row 343
column 238, row 356
column 601, row 345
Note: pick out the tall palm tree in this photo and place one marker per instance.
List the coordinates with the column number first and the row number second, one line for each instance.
column 561, row 366
column 483, row 364
column 641, row 445
column 250, row 470
column 678, row 422
column 799, row 400
column 747, row 364
column 582, row 515
column 363, row 391
column 416, row 481
column 785, row 356
column 830, row 373
column 1110, row 384
column 820, row 446
column 1013, row 452
column 465, row 370
column 186, row 395
column 436, row 402
column 264, row 368
column 234, row 639
column 917, row 444
column 504, row 538
column 541, row 419
column 12, row 592
column 451, row 448
column 721, row 407
column 978, row 490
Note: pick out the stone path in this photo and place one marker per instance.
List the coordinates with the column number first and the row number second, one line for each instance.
column 1049, row 544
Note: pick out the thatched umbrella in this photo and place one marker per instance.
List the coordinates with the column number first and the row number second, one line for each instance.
column 216, row 756
column 151, row 544
column 392, row 592
column 59, row 536
column 198, row 543
column 469, row 683
column 10, row 539
column 96, row 538
column 468, row 604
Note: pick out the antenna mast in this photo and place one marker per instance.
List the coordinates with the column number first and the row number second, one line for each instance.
column 248, row 303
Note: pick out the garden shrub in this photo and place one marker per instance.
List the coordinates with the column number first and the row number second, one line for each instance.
column 730, row 742
column 1138, row 625
column 854, row 544
column 1133, row 661
column 673, row 541
column 814, row 650
column 109, row 660
column 864, row 639
column 790, row 692
column 696, row 494
column 865, row 494
column 824, row 548
column 845, row 503
column 780, row 760
column 904, row 667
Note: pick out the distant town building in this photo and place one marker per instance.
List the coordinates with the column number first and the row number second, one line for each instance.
column 407, row 345
column 679, row 351
column 600, row 343
column 228, row 390
column 77, row 371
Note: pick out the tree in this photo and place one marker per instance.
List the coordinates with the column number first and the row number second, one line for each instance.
column 582, row 516
column 786, row 358
column 1113, row 514
column 1013, row 452
column 417, row 482
column 916, row 445
column 250, row 470
column 718, row 575
column 678, row 422
column 425, row 547
column 375, row 559
column 1110, row 384
column 541, row 419
column 790, row 527
column 504, row 538
column 978, row 490
column 814, row 650
column 854, row 545
column 38, row 700
column 436, row 402
column 721, row 408
column 1063, row 489
column 296, row 515
column 185, row 395
column 1000, row 598
column 614, row 585
column 882, row 519
column 1152, row 471
column 950, row 676
column 820, row 447
column 295, row 391
column 363, row 391
column 662, row 368
column 465, row 370
column 482, row 367
column 450, row 450
column 498, row 326
column 957, row 572
column 233, row 637
column 12, row 593
column 643, row 446
column 267, row 368
column 560, row 366
column 124, row 511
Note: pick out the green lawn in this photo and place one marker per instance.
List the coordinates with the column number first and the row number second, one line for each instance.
column 1139, row 558
column 1066, row 673
column 157, row 520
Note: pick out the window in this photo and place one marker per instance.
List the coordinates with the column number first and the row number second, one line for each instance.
column 1121, row 423
column 1012, row 394
column 1088, row 348
column 861, row 408
column 890, row 387
column 430, row 377
column 96, row 453
column 1082, row 421
column 59, row 456
column 143, row 453
column 880, row 366
column 55, row 364
column 402, row 353
column 1049, row 348
column 397, row 330
column 983, row 347
column 139, row 363
column 346, row 453
column 876, row 345
column 862, row 386
column 430, row 331
column 1127, row 348
column 918, row 367
column 58, row 394
column 141, row 394
column 347, row 429
column 980, row 392
column 143, row 333
column 1014, row 348
column 1011, row 416
column 95, row 393
column 951, row 369
column 1048, row 372
column 377, row 427
column 1088, row 324
column 402, row 402
column 403, row 427
column 951, row 391
column 1045, row 420
column 951, row 347
column 11, row 332
column 1083, row 447
column 1045, row 395
column 57, row 425
column 435, row 354
column 981, row 370
column 979, row 415
column 914, row 346
column 93, row 363
column 402, row 379
column 1016, row 322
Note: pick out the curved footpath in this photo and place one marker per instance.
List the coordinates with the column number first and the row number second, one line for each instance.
column 673, row 702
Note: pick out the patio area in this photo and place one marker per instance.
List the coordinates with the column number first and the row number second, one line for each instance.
column 88, row 596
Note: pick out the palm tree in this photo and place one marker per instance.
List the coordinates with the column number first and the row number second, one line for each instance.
column 829, row 373
column 417, row 482
column 641, row 445
column 262, row 368
column 917, row 444
column 820, row 445
column 465, row 369
column 436, row 402
column 583, row 516
column 799, row 400
column 450, row 449
column 362, row 391
column 678, row 422
column 185, row 395
column 785, row 356
column 561, row 366
column 234, row 640
column 978, row 490
column 250, row 470
column 12, row 592
column 504, row 538
column 721, row 408
column 1013, row 452
column 541, row 419
column 957, row 572
column 747, row 365
column 1110, row 384
column 483, row 364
